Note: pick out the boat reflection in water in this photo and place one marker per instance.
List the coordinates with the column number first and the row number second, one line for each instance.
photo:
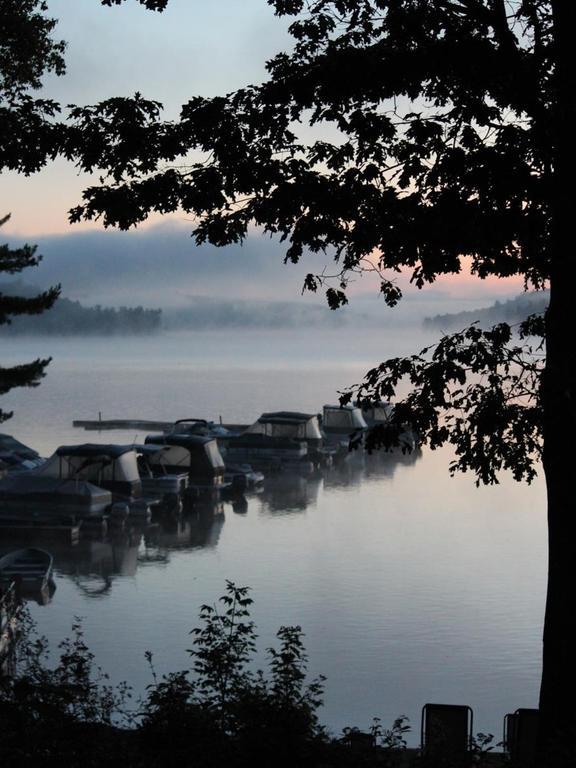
column 292, row 493
column 104, row 554
column 199, row 529
column 116, row 550
column 288, row 494
column 360, row 467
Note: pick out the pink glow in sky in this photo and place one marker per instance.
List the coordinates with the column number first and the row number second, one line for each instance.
column 192, row 48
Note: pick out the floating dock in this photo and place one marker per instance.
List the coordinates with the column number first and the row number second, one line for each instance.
column 110, row 424
column 102, row 425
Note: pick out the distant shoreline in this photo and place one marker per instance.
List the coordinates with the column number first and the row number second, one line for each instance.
column 512, row 311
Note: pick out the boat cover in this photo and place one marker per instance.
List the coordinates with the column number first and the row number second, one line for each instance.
column 345, row 417
column 95, row 463
column 187, row 451
column 301, row 426
column 9, row 444
column 94, row 449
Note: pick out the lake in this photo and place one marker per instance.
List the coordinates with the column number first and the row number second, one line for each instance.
column 410, row 586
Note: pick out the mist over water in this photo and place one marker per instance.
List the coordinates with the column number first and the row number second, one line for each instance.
column 410, row 586
column 236, row 374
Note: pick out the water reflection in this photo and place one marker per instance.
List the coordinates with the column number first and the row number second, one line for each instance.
column 107, row 553
column 199, row 529
column 359, row 467
column 94, row 564
column 411, row 586
column 104, row 554
column 288, row 494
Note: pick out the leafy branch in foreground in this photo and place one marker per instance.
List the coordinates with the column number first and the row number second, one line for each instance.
column 223, row 700
column 477, row 390
column 223, row 711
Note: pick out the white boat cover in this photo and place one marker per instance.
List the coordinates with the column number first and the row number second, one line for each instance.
column 299, row 426
column 190, row 452
column 343, row 418
column 93, row 463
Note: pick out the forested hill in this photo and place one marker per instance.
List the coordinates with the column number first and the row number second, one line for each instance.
column 512, row 311
column 71, row 318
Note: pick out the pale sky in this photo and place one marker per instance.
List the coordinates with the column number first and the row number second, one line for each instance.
column 195, row 47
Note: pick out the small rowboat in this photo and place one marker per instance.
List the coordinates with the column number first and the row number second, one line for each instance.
column 29, row 569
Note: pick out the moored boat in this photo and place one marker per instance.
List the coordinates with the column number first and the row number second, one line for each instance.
column 16, row 457
column 381, row 414
column 30, row 570
column 108, row 466
column 197, row 456
column 279, row 439
column 30, row 490
column 343, row 425
column 154, row 476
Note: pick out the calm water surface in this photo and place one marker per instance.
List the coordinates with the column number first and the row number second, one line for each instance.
column 410, row 586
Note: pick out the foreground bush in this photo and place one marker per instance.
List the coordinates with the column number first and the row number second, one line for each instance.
column 218, row 713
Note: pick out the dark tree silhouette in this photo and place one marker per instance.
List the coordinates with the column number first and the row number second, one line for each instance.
column 29, row 138
column 452, row 136
column 14, row 260
column 29, row 135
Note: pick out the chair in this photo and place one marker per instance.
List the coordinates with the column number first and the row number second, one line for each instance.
column 446, row 731
column 520, row 736
column 359, row 741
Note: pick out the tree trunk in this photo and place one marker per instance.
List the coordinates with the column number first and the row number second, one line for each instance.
column 558, row 691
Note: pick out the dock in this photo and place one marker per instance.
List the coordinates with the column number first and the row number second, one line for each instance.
column 144, row 425
column 100, row 425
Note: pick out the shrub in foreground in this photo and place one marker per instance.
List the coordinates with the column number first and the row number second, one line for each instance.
column 220, row 712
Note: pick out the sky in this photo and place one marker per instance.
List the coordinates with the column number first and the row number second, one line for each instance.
column 193, row 48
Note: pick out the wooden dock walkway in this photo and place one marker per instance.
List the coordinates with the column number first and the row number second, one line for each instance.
column 145, row 425
column 101, row 425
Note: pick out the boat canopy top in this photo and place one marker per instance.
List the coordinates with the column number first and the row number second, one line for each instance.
column 197, row 427
column 344, row 417
column 302, row 426
column 9, row 444
column 93, row 462
column 94, row 449
column 186, row 450
column 149, row 449
column 184, row 441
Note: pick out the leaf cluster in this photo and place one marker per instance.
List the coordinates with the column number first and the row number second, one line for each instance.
column 477, row 390
column 231, row 709
column 436, row 153
column 14, row 260
column 65, row 709
column 29, row 135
